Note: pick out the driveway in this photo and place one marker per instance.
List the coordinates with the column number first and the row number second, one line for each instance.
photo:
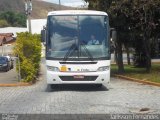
column 9, row 77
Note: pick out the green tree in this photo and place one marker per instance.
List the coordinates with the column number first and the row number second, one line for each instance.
column 3, row 23
column 138, row 17
column 102, row 5
column 144, row 24
column 14, row 19
column 20, row 20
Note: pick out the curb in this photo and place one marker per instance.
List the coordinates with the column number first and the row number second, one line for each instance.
column 15, row 84
column 138, row 80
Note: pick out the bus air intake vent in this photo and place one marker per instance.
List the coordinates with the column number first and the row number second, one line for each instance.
column 78, row 62
column 72, row 78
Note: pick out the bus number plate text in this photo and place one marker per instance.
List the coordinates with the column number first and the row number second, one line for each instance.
column 78, row 77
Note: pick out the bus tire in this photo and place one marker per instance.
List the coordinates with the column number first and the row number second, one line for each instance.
column 52, row 86
column 99, row 85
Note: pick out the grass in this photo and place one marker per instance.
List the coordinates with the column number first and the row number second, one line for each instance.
column 140, row 73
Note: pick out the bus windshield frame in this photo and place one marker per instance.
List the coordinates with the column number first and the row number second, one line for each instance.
column 77, row 37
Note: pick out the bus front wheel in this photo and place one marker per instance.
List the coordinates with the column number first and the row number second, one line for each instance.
column 52, row 86
column 99, row 85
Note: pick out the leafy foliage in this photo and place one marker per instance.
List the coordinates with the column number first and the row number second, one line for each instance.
column 137, row 23
column 13, row 19
column 3, row 23
column 28, row 47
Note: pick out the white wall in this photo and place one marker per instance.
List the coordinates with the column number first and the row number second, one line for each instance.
column 36, row 27
column 13, row 30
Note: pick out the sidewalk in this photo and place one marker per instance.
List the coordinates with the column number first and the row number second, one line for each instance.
column 9, row 77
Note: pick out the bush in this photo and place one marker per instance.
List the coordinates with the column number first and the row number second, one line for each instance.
column 28, row 47
column 3, row 23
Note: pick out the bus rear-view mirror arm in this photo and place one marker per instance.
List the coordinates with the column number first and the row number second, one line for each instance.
column 43, row 36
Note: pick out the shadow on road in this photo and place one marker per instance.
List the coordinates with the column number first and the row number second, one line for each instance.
column 75, row 87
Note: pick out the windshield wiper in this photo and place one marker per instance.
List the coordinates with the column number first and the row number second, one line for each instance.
column 70, row 51
column 73, row 48
column 87, row 51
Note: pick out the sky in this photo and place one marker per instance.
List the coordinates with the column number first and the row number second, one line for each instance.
column 73, row 3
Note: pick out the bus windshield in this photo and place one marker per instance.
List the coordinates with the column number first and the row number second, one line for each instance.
column 81, row 37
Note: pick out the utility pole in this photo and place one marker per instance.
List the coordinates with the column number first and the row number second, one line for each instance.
column 28, row 10
column 59, row 4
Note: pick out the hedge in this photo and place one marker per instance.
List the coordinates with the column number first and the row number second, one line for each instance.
column 28, row 48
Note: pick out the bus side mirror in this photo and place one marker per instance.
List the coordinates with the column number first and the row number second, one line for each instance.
column 113, row 39
column 113, row 35
column 43, row 36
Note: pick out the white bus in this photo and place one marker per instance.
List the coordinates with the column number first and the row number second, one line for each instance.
column 77, row 47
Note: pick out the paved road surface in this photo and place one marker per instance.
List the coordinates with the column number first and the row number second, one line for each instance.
column 120, row 97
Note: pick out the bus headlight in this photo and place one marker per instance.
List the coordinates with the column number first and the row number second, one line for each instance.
column 52, row 68
column 104, row 68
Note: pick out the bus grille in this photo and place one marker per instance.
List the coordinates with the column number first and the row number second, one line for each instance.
column 71, row 78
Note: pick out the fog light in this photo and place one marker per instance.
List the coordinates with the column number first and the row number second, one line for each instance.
column 54, row 79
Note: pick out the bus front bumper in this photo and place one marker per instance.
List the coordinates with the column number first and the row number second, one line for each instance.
column 78, row 78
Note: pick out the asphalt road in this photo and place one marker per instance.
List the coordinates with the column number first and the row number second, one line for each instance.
column 120, row 97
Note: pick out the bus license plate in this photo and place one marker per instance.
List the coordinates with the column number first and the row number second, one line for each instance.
column 78, row 77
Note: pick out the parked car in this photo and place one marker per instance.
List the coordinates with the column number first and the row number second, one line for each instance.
column 10, row 60
column 4, row 64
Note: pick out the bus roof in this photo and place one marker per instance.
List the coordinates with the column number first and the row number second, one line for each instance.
column 77, row 12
